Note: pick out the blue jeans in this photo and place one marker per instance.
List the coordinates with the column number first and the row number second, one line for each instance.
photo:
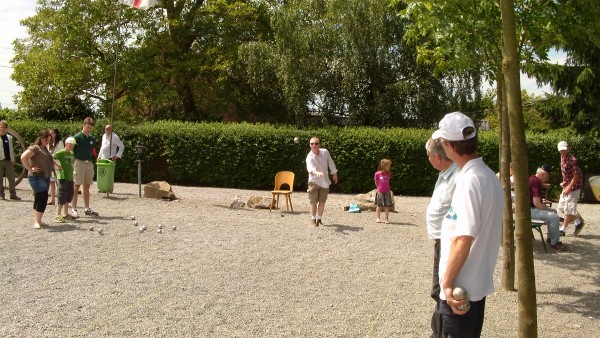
column 553, row 223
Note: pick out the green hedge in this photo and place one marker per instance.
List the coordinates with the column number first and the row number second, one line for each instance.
column 247, row 156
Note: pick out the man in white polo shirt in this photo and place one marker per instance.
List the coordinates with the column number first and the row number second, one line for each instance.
column 471, row 230
column 318, row 165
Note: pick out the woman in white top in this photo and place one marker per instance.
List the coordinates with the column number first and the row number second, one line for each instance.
column 54, row 145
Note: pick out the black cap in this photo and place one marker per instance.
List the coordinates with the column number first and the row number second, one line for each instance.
column 547, row 168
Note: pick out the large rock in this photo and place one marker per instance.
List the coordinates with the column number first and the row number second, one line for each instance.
column 259, row 202
column 159, row 189
column 366, row 202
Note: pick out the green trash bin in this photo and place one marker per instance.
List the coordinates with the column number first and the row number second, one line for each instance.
column 105, row 175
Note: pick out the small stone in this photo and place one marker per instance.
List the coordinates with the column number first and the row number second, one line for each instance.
column 159, row 231
column 91, row 228
column 132, row 217
column 141, row 230
column 135, row 223
column 100, row 231
column 160, row 226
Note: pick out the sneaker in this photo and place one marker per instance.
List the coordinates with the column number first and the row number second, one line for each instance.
column 36, row 225
column 68, row 217
column 559, row 246
column 562, row 232
column 90, row 212
column 74, row 214
column 60, row 219
column 578, row 226
column 15, row 197
column 319, row 222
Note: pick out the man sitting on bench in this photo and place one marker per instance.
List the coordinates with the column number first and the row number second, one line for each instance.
column 541, row 211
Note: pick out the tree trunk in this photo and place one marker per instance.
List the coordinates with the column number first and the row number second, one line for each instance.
column 508, row 237
column 527, row 316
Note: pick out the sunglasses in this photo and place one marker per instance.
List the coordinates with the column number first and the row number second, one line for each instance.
column 315, row 143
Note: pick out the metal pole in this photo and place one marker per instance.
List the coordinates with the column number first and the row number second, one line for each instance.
column 139, row 178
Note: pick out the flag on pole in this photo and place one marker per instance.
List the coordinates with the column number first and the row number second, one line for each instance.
column 139, row 4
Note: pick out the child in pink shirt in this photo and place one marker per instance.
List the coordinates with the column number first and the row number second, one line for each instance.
column 383, row 198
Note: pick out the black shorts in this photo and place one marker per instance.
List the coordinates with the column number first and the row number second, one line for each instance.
column 65, row 192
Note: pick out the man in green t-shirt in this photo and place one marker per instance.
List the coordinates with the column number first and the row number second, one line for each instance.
column 65, row 180
column 83, row 166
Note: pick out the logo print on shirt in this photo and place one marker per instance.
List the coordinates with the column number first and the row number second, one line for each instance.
column 451, row 215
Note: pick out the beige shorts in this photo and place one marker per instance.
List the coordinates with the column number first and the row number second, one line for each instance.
column 83, row 172
column 568, row 204
column 316, row 193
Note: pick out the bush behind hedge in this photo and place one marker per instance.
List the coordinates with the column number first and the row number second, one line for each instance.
column 247, row 156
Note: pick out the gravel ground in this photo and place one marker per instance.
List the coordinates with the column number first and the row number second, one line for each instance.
column 244, row 272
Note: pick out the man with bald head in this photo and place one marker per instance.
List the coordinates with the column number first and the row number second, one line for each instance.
column 112, row 148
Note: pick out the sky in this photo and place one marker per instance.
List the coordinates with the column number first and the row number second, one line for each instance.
column 12, row 11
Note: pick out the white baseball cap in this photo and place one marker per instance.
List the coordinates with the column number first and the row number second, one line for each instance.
column 452, row 125
column 70, row 140
column 562, row 145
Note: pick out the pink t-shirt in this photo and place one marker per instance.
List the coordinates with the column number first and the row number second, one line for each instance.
column 383, row 181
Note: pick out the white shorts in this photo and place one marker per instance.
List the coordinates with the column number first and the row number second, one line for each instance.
column 567, row 204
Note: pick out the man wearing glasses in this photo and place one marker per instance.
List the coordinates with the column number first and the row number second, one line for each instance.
column 318, row 165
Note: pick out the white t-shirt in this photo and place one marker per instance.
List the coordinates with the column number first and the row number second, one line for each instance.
column 440, row 201
column 108, row 150
column 476, row 211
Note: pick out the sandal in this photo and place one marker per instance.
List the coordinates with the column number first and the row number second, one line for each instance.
column 378, row 221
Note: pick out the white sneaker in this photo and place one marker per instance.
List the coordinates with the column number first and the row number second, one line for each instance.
column 74, row 213
column 36, row 225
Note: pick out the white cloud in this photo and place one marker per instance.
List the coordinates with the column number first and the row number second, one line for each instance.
column 11, row 12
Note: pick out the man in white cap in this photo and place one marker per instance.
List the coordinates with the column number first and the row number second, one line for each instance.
column 572, row 182
column 471, row 230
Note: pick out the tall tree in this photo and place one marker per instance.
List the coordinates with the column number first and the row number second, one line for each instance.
column 527, row 317
column 177, row 60
column 341, row 61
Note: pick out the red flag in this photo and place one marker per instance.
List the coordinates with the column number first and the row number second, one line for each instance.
column 139, row 4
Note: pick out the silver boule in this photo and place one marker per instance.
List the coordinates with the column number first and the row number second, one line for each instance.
column 91, row 228
column 159, row 231
column 174, row 227
column 160, row 226
column 135, row 223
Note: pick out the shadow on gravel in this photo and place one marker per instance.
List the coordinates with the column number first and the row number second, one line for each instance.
column 240, row 209
column 63, row 228
column 343, row 228
column 116, row 198
column 584, row 303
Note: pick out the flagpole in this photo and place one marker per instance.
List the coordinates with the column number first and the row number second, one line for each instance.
column 112, row 109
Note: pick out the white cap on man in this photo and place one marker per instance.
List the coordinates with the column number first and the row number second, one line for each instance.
column 562, row 145
column 452, row 125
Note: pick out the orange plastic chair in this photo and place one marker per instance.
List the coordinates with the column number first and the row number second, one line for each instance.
column 282, row 178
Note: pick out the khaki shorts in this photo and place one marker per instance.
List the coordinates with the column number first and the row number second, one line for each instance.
column 83, row 172
column 316, row 193
column 568, row 204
